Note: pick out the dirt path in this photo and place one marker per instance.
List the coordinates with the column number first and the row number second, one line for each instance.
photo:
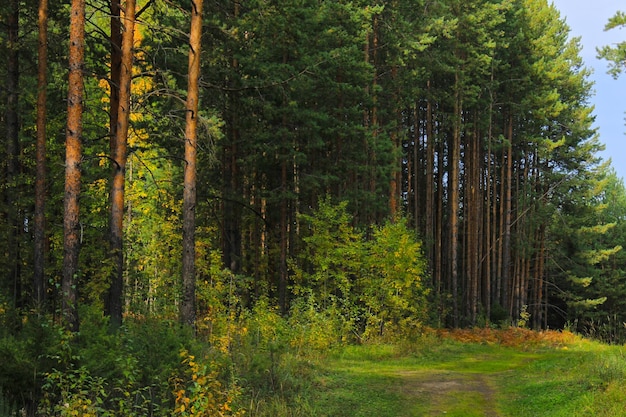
column 446, row 391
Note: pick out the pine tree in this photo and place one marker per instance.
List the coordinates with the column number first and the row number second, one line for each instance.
column 71, row 220
column 616, row 55
column 39, row 234
column 188, row 305
column 12, row 130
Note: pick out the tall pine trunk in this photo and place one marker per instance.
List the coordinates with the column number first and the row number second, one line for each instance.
column 438, row 258
column 188, row 305
column 12, row 149
column 507, row 181
column 429, row 143
column 39, row 235
column 472, row 219
column 486, row 259
column 395, row 184
column 73, row 155
column 119, row 157
column 454, row 167
column 116, row 65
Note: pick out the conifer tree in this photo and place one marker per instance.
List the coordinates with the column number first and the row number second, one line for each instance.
column 73, row 159
column 616, row 55
column 12, row 147
column 119, row 157
column 188, row 305
column 39, row 282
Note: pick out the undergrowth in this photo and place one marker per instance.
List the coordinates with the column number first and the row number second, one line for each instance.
column 260, row 363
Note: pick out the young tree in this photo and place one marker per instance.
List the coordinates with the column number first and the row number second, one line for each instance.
column 73, row 155
column 187, row 306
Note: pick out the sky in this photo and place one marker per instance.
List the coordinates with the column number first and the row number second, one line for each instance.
column 587, row 19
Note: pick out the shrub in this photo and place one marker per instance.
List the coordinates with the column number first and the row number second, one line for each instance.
column 200, row 393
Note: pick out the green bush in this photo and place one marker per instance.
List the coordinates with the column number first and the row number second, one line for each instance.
column 376, row 285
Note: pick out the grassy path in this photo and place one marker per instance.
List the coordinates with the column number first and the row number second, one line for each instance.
column 451, row 393
column 468, row 379
column 464, row 382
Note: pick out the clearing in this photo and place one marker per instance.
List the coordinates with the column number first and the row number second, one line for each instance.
column 443, row 376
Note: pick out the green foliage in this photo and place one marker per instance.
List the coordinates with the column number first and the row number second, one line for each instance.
column 616, row 55
column 94, row 372
column 375, row 284
column 394, row 292
column 26, row 355
column 200, row 393
column 314, row 329
column 590, row 252
column 333, row 254
column 261, row 353
column 79, row 394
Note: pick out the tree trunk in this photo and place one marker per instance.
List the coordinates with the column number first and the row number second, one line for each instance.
column 188, row 305
column 438, row 259
column 73, row 155
column 283, row 278
column 506, row 232
column 116, row 65
column 12, row 147
column 454, row 166
column 429, row 143
column 119, row 158
column 540, row 298
column 413, row 181
column 499, row 232
column 472, row 218
column 39, row 235
column 395, row 184
column 486, row 259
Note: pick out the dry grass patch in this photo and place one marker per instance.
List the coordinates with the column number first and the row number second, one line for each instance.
column 511, row 337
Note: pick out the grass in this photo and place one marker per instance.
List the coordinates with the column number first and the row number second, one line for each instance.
column 447, row 374
column 587, row 379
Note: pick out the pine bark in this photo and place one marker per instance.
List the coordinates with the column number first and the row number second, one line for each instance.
column 507, row 210
column 396, row 176
column 119, row 157
column 116, row 65
column 487, row 258
column 472, row 218
column 454, row 166
column 429, row 143
column 39, row 234
column 73, row 155
column 188, row 306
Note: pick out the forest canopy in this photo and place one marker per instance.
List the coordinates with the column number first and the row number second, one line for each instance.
column 387, row 165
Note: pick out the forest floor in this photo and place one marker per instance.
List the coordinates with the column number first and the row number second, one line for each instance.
column 443, row 377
